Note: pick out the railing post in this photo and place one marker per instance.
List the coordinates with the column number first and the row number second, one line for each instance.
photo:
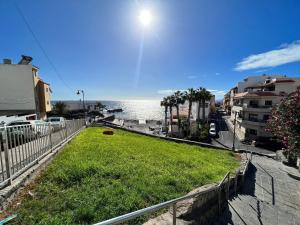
column 219, row 199
column 6, row 157
column 174, row 214
column 50, row 136
column 228, row 186
column 235, row 182
column 66, row 134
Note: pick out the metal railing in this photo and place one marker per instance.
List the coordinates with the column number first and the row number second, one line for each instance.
column 224, row 185
column 22, row 146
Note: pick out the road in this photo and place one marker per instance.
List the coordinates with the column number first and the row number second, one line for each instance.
column 225, row 138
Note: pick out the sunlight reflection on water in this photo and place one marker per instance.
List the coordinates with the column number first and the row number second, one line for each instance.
column 137, row 109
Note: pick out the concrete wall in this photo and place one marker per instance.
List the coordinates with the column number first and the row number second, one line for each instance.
column 253, row 81
column 287, row 87
column 16, row 88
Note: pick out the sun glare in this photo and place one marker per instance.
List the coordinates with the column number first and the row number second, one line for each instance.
column 145, row 17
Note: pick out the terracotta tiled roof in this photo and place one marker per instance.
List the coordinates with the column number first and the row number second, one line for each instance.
column 254, row 94
column 284, row 81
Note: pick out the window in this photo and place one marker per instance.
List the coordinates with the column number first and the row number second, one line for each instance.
column 252, row 131
column 46, row 89
column 47, row 102
column 253, row 103
column 266, row 117
column 206, row 105
column 268, row 103
column 253, row 117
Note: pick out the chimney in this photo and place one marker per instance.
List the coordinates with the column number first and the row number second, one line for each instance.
column 25, row 60
column 6, row 61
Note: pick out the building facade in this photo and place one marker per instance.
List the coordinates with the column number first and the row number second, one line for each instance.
column 253, row 103
column 183, row 114
column 22, row 91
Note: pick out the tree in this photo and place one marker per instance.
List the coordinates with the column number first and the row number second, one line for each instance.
column 198, row 98
column 284, row 123
column 178, row 100
column 190, row 96
column 60, row 107
column 171, row 103
column 164, row 103
column 206, row 96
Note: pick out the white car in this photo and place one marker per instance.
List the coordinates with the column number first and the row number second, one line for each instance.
column 40, row 127
column 57, row 123
column 212, row 132
column 212, row 125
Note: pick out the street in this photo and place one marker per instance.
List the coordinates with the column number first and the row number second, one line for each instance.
column 225, row 137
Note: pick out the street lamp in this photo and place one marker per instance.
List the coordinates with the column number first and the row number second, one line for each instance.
column 82, row 92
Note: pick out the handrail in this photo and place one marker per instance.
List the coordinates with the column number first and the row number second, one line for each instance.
column 224, row 178
column 140, row 212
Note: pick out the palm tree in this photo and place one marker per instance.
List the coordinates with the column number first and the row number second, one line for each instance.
column 179, row 99
column 190, row 96
column 206, row 96
column 171, row 103
column 164, row 103
column 60, row 107
column 198, row 98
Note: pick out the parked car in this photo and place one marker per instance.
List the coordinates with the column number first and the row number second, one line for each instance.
column 57, row 123
column 18, row 132
column 40, row 127
column 212, row 132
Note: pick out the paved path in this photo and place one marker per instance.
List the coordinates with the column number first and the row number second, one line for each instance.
column 270, row 196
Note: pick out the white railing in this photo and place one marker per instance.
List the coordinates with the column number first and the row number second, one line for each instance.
column 22, row 146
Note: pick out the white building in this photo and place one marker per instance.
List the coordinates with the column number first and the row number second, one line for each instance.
column 22, row 91
column 183, row 113
column 254, row 102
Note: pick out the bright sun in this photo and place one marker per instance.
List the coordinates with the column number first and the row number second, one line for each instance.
column 145, row 17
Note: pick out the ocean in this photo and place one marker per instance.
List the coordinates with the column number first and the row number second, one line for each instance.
column 137, row 109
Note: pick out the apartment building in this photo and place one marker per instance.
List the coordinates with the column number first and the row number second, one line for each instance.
column 253, row 102
column 228, row 100
column 22, row 91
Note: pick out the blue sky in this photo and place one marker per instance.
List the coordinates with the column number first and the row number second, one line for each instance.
column 101, row 47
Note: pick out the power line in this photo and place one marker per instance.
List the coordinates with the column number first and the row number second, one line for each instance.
column 41, row 47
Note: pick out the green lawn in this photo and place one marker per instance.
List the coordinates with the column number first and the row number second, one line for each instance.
column 98, row 177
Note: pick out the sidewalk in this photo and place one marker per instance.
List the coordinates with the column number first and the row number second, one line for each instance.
column 270, row 196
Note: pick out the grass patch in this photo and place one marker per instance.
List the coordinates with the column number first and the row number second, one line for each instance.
column 98, row 177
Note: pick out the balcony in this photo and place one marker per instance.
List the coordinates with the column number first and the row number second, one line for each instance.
column 254, row 121
column 253, row 107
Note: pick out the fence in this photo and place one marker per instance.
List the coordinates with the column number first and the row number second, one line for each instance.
column 22, row 146
column 222, row 191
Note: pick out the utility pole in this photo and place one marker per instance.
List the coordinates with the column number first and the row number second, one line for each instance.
column 233, row 141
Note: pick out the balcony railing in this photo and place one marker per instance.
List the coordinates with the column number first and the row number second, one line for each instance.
column 255, row 120
column 253, row 106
